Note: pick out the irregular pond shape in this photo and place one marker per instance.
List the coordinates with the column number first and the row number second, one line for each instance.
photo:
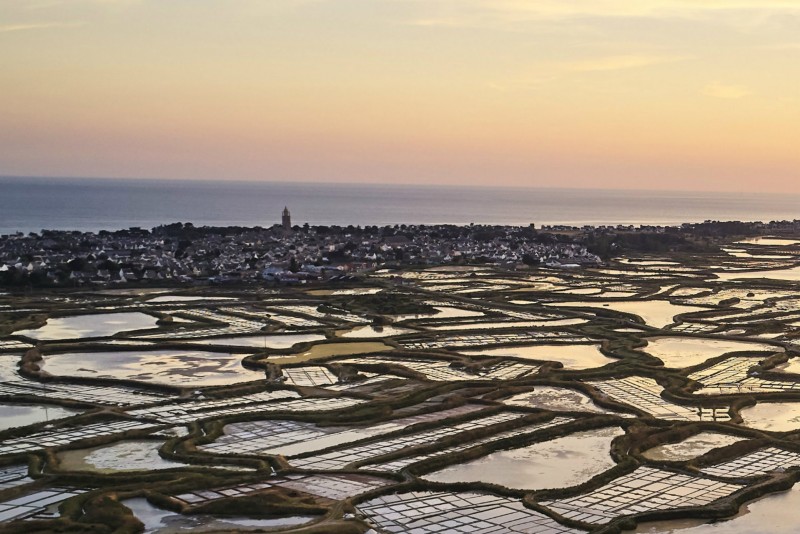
column 174, row 367
column 561, row 462
column 507, row 324
column 160, row 521
column 691, row 447
column 634, row 261
column 14, row 415
column 442, row 312
column 9, row 370
column 132, row 291
column 355, row 291
column 619, row 294
column 183, row 298
column 736, row 253
column 772, row 416
column 773, row 514
column 770, row 241
column 129, row 455
column 790, row 274
column 371, row 331
column 792, row 366
column 325, row 350
column 271, row 341
column 556, row 399
column 581, row 291
column 657, row 313
column 679, row 352
column 94, row 325
column 572, row 356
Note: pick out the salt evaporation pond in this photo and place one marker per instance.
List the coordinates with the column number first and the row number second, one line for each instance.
column 371, row 331
column 657, row 313
column 556, row 400
column 572, row 356
column 618, row 294
column 792, row 366
column 183, row 298
column 634, row 261
column 9, row 371
column 581, row 291
column 775, row 514
column 355, row 291
column 160, row 521
column 129, row 455
column 558, row 463
column 442, row 312
column 682, row 352
column 772, row 416
column 736, row 253
column 508, row 324
column 128, row 292
column 691, row 447
column 769, row 241
column 326, row 350
column 182, row 368
column 272, row 341
column 791, row 274
column 14, row 415
column 94, row 325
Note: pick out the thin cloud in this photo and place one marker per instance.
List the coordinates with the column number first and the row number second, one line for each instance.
column 451, row 22
column 730, row 92
column 781, row 46
column 8, row 28
column 47, row 4
column 551, row 72
column 507, row 14
column 625, row 8
column 623, row 62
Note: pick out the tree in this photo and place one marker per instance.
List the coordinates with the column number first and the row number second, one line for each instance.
column 77, row 264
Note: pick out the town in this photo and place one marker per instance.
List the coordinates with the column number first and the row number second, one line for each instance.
column 287, row 254
column 282, row 253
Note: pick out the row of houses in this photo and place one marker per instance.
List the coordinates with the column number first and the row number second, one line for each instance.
column 187, row 254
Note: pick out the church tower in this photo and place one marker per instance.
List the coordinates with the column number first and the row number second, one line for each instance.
column 286, row 219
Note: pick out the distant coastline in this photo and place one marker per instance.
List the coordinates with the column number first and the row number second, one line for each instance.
column 291, row 253
column 33, row 204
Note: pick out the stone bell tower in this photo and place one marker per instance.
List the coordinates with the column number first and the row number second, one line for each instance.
column 286, row 219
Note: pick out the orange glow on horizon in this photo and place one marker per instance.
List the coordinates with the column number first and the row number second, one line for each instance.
column 657, row 94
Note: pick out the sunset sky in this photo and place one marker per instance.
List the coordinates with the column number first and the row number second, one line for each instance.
column 662, row 94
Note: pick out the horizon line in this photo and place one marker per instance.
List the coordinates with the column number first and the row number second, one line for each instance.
column 221, row 181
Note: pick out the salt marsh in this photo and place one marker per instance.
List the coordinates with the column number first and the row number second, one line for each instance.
column 572, row 356
column 184, row 368
column 656, row 313
column 772, row 416
column 561, row 462
column 14, row 415
column 93, row 325
column 129, row 455
column 691, row 447
column 326, row 350
column 679, row 352
column 159, row 521
column 266, row 341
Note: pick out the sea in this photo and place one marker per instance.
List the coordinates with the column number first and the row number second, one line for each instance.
column 92, row 204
